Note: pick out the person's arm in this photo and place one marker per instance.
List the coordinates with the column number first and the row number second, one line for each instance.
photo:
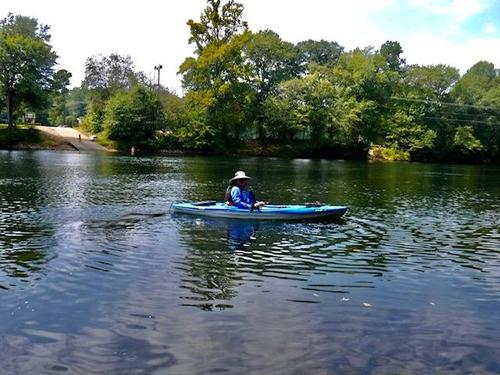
column 255, row 202
column 238, row 198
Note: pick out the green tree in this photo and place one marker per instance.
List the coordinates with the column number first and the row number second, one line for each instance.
column 424, row 96
column 432, row 82
column 76, row 105
column 133, row 117
column 195, row 131
column 60, row 83
column 363, row 72
column 475, row 83
column 391, row 51
column 219, row 72
column 465, row 141
column 271, row 61
column 327, row 114
column 104, row 77
column 478, row 94
column 320, row 52
column 218, row 24
column 26, row 62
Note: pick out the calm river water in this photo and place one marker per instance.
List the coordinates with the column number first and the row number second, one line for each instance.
column 97, row 276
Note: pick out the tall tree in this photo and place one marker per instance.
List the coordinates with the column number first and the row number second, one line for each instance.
column 104, row 77
column 391, row 51
column 218, row 23
column 478, row 93
column 320, row 52
column 271, row 61
column 26, row 62
column 132, row 118
column 109, row 74
column 60, row 83
column 218, row 76
column 329, row 114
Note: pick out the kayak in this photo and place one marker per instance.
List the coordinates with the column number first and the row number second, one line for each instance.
column 268, row 212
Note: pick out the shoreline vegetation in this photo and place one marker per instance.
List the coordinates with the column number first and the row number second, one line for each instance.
column 252, row 93
column 28, row 138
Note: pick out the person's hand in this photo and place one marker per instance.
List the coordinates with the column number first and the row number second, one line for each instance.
column 259, row 204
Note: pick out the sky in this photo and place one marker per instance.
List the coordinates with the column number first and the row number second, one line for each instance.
column 453, row 32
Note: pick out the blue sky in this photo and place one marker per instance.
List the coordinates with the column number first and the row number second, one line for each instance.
column 453, row 32
column 480, row 20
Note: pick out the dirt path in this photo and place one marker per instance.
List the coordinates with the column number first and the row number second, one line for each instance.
column 70, row 136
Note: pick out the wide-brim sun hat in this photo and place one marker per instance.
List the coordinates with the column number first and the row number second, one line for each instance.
column 240, row 175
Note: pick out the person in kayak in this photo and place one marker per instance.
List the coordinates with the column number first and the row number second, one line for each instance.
column 238, row 195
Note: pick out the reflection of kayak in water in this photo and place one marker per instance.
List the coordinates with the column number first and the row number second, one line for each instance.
column 269, row 212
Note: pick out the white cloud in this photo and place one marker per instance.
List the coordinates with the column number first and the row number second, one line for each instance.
column 347, row 23
column 155, row 32
column 490, row 28
column 460, row 9
column 427, row 49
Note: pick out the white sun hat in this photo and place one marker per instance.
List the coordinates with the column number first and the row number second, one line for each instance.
column 240, row 175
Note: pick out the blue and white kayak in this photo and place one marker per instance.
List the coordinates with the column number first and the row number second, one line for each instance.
column 269, row 212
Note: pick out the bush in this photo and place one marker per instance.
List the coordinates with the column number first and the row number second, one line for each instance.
column 386, row 153
column 132, row 118
column 17, row 135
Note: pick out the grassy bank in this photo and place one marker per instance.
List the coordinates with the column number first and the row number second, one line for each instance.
column 26, row 137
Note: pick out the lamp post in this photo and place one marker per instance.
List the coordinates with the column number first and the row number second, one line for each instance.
column 158, row 67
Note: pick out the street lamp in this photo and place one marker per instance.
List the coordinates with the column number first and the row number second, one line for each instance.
column 158, row 67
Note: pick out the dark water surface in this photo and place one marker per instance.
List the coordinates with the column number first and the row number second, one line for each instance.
column 96, row 275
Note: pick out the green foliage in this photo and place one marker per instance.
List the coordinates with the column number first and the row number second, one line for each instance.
column 12, row 136
column 465, row 141
column 93, row 121
column 431, row 82
column 406, row 135
column 326, row 113
column 476, row 82
column 60, row 83
column 387, row 153
column 76, row 103
column 217, row 25
column 312, row 98
column 132, row 118
column 26, row 62
column 196, row 132
column 391, row 52
column 106, row 75
column 320, row 52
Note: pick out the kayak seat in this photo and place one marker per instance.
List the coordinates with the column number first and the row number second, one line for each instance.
column 204, row 203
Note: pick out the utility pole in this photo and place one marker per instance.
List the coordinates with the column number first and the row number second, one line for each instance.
column 158, row 67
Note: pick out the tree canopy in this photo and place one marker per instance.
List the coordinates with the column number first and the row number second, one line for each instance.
column 244, row 87
column 26, row 62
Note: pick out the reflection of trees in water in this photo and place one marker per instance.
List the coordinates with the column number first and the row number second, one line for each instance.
column 221, row 254
column 25, row 237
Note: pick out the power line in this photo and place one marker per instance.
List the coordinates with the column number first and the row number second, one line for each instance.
column 445, row 103
column 457, row 120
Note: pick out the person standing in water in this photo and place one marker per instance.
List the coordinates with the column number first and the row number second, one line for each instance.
column 237, row 194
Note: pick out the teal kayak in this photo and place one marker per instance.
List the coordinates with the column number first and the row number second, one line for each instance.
column 269, row 212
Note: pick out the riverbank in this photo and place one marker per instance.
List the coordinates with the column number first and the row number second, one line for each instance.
column 23, row 137
column 28, row 137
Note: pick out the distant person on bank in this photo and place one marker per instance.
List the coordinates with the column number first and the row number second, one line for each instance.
column 237, row 193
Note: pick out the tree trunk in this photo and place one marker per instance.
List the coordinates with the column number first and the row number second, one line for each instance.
column 9, row 111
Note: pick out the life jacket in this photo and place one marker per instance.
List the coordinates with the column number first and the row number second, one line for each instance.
column 228, row 198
